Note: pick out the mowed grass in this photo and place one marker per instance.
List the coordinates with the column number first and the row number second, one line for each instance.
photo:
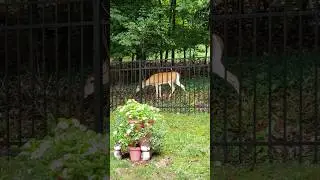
column 185, row 152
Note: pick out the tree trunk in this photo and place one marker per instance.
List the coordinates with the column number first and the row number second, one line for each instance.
column 206, row 55
column 173, row 6
column 169, row 30
column 140, row 55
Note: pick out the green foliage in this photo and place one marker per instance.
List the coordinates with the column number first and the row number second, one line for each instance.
column 136, row 111
column 72, row 152
column 144, row 25
column 126, row 134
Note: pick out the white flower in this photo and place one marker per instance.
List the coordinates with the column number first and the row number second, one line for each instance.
column 82, row 128
column 75, row 122
column 41, row 150
column 56, row 164
column 62, row 125
column 128, row 131
column 65, row 173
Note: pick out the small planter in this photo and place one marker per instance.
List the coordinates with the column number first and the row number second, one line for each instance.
column 146, row 154
column 117, row 151
column 135, row 153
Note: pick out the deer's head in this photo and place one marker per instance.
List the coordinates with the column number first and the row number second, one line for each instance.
column 143, row 85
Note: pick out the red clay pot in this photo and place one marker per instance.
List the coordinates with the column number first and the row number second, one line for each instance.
column 135, row 153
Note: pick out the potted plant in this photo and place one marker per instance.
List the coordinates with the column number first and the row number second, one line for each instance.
column 134, row 126
column 128, row 137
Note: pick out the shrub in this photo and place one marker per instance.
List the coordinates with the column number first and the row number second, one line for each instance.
column 71, row 151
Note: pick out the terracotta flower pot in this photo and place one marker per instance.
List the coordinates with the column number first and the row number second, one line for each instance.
column 135, row 153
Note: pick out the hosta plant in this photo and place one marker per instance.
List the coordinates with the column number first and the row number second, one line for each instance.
column 70, row 151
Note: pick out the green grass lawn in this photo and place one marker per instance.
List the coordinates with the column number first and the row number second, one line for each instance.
column 185, row 155
column 185, row 152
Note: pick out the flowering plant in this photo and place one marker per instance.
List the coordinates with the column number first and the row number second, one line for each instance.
column 136, row 111
column 126, row 134
column 129, row 134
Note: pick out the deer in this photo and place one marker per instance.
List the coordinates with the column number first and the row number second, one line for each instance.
column 162, row 78
column 217, row 66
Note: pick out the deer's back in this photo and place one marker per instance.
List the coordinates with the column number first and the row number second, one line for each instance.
column 163, row 77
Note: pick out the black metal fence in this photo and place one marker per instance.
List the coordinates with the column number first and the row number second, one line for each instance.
column 275, row 55
column 127, row 77
column 47, row 50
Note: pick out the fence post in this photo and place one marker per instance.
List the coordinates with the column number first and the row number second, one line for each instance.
column 97, row 64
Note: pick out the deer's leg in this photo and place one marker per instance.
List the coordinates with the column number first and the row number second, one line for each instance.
column 157, row 91
column 181, row 85
column 172, row 89
column 160, row 91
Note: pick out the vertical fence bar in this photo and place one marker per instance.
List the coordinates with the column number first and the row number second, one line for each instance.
column 269, row 86
column 240, row 80
column 300, row 87
column 285, row 84
column 69, row 61
column 19, row 80
column 254, row 91
column 6, row 80
column 107, row 100
column 98, row 67
column 31, row 63
column 56, row 58
column 140, row 78
column 44, row 71
column 225, row 119
column 81, row 65
column 211, row 95
column 316, row 105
